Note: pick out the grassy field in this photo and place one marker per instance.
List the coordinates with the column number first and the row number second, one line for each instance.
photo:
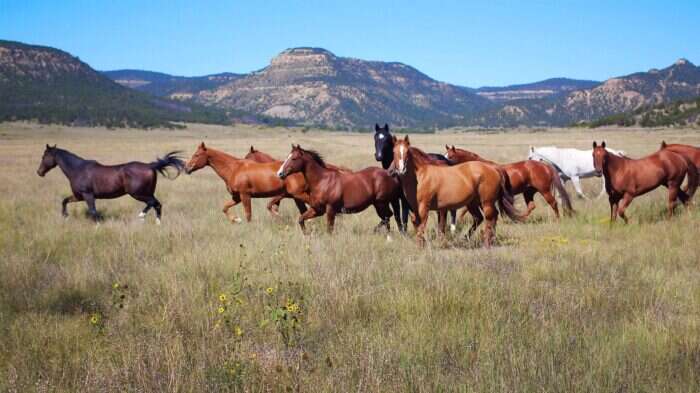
column 575, row 305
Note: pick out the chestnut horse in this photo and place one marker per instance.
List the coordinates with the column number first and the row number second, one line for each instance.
column 690, row 152
column 525, row 177
column 475, row 185
column 247, row 179
column 626, row 178
column 259, row 156
column 90, row 180
column 333, row 191
column 384, row 153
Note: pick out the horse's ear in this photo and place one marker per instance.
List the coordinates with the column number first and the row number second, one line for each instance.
column 48, row 147
column 532, row 149
column 663, row 144
column 201, row 145
column 393, row 138
column 405, row 139
column 453, row 147
column 376, row 127
column 447, row 147
column 595, row 144
column 602, row 145
column 252, row 149
column 386, row 127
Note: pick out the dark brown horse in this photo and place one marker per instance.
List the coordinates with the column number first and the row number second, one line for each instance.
column 246, row 179
column 524, row 177
column 690, row 152
column 626, row 178
column 476, row 185
column 333, row 192
column 259, row 156
column 90, row 180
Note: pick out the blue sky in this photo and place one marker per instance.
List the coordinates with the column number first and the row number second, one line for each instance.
column 461, row 42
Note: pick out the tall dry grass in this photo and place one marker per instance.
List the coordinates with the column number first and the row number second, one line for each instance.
column 574, row 305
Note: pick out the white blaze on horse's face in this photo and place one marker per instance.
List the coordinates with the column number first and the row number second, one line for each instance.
column 402, row 160
column 280, row 171
column 380, row 136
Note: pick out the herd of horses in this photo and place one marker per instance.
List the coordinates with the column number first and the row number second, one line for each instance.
column 410, row 181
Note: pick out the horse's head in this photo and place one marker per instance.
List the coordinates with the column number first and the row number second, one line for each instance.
column 600, row 157
column 199, row 159
column 451, row 153
column 382, row 142
column 294, row 162
column 48, row 160
column 531, row 154
column 401, row 154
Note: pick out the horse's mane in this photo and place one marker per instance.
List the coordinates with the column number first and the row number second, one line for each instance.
column 316, row 156
column 421, row 156
column 71, row 157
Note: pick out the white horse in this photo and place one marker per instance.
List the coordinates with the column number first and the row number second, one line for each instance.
column 572, row 164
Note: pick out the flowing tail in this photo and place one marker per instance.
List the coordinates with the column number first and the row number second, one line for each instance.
column 559, row 186
column 692, row 175
column 171, row 160
column 506, row 200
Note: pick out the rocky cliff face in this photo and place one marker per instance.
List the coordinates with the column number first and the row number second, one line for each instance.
column 314, row 86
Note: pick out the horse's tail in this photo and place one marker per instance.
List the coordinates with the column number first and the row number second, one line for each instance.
column 506, row 201
column 170, row 160
column 559, row 186
column 692, row 178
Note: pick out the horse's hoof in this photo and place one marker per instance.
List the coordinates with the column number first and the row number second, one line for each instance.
column 389, row 239
column 453, row 228
column 157, row 221
column 142, row 215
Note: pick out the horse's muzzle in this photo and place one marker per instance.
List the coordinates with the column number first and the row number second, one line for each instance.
column 40, row 173
column 281, row 175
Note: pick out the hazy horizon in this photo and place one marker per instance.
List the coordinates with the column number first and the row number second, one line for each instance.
column 472, row 44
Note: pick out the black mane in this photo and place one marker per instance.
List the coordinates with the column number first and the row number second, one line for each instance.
column 316, row 156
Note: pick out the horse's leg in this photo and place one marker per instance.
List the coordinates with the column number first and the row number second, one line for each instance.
column 90, row 201
column 491, row 215
column 529, row 195
column 422, row 221
column 613, row 208
column 158, row 208
column 301, row 206
column 547, row 195
column 330, row 219
column 396, row 209
column 66, row 201
column 235, row 199
column 453, row 224
column 577, row 185
column 405, row 209
column 311, row 212
column 478, row 218
column 245, row 199
column 673, row 193
column 274, row 205
column 442, row 222
column 626, row 200
column 384, row 213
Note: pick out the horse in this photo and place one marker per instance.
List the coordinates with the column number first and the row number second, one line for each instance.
column 524, row 177
column 333, row 192
column 572, row 164
column 259, row 156
column 247, row 179
column 690, row 152
column 476, row 185
column 384, row 153
column 627, row 178
column 90, row 180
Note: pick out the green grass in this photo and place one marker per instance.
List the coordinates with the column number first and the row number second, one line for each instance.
column 575, row 305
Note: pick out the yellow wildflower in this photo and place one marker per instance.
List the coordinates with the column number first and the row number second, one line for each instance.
column 221, row 310
column 270, row 290
column 115, row 285
column 94, row 319
column 222, row 298
column 238, row 331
